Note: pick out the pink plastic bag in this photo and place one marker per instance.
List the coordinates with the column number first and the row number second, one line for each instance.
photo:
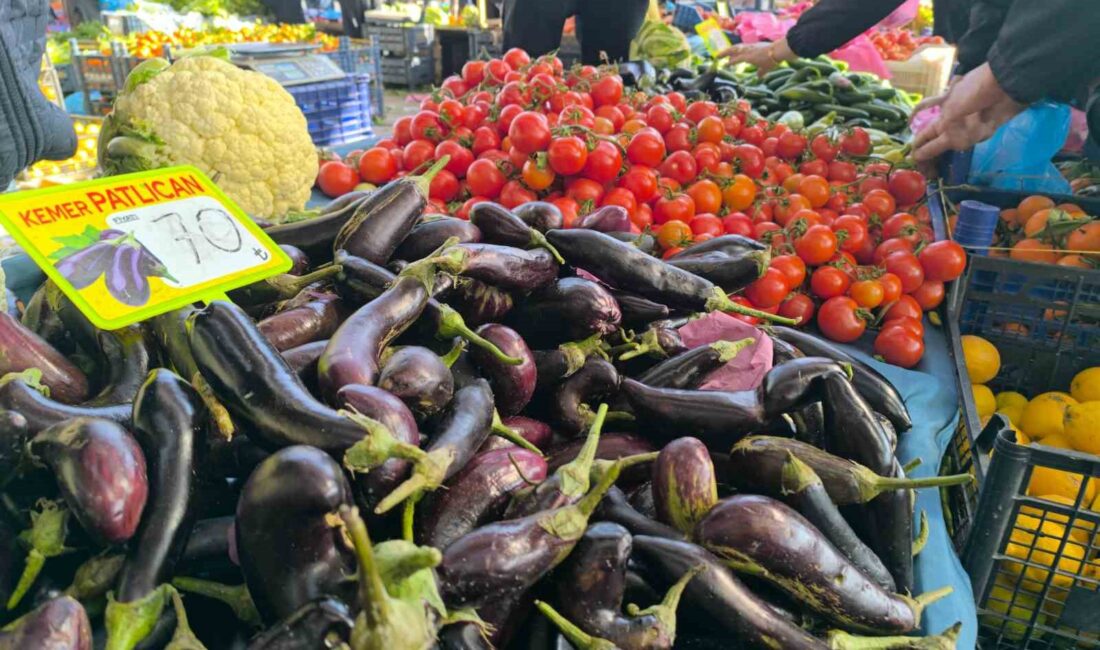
column 747, row 369
column 861, row 56
column 901, row 16
column 1078, row 132
column 756, row 26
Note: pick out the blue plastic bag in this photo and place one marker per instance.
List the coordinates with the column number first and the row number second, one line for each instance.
column 1018, row 155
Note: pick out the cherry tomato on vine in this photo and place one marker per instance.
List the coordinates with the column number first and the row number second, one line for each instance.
column 839, row 319
column 484, row 178
column 737, row 223
column 899, row 347
column 608, row 90
column 929, row 294
column 707, row 196
column 890, row 246
column 678, row 207
column 792, row 266
column 679, row 166
column 336, row 179
column 461, row 157
column 914, row 325
column 880, row 203
column 907, row 186
column 537, row 174
column 867, row 293
column 646, row 147
column 891, row 287
column 943, row 260
column 529, row 132
column 377, row 165
column 856, row 142
column 816, row 245
column 905, row 307
column 672, row 234
column 824, row 148
column 798, row 306
column 569, row 210
column 444, row 186
column 622, row 197
column 604, row 163
column 829, row 281
column 769, row 289
column 908, row 269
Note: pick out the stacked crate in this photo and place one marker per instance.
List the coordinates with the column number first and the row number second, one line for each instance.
column 408, row 56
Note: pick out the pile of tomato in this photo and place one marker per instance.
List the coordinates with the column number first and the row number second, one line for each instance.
column 898, row 44
column 851, row 245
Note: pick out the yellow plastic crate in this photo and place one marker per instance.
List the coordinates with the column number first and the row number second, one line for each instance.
column 926, row 71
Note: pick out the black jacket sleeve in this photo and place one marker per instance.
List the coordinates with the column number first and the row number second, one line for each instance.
column 1047, row 49
column 831, row 23
column 986, row 19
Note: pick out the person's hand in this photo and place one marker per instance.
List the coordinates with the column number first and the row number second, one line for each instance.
column 970, row 112
column 764, row 56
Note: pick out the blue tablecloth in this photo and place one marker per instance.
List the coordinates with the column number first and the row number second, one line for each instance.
column 932, row 395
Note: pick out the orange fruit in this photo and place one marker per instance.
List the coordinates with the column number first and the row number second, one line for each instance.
column 1033, row 204
column 1033, row 250
column 1077, row 261
column 1071, row 208
column 1036, row 222
column 1010, row 215
column 1085, row 238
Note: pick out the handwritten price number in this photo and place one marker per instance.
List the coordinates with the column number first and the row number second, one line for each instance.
column 226, row 237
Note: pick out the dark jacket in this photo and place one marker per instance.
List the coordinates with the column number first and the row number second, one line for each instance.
column 832, row 23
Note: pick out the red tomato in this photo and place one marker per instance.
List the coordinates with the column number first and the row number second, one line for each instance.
column 899, row 347
column 824, row 148
column 891, row 246
column 643, row 217
column 679, row 207
column 336, row 179
column 914, row 325
column 485, row 138
column 891, row 287
column 529, row 132
column 905, row 307
column 461, row 157
column 770, row 146
column 753, row 134
column 748, row 160
column 484, row 178
column 646, row 148
column 901, row 226
column 732, row 125
column 867, row 293
column 444, row 186
column 584, row 189
column 660, row 117
column 791, row 145
column 842, row 171
column 516, row 58
column 839, row 319
column 907, row 268
column 829, row 281
column 943, row 260
column 929, row 294
column 622, row 197
column 401, row 130
column 679, row 138
column 798, row 306
column 473, row 72
column 880, row 203
column 737, row 224
column 816, row 245
column 706, row 224
column 426, row 125
column 679, row 166
column 604, row 162
column 792, row 267
column 377, row 165
column 608, row 90
column 513, row 193
column 856, row 142
column 744, row 302
column 641, row 181
column 769, row 289
column 567, row 155
column 569, row 209
column 418, row 153
column 851, row 232
column 710, row 129
column 707, row 157
column 907, row 186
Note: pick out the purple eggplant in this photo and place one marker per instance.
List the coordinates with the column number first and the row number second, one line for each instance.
column 719, row 594
column 728, row 244
column 125, row 358
column 314, row 318
column 616, row 507
column 14, row 433
column 480, row 303
column 21, row 349
column 763, row 537
column 609, row 218
column 685, row 487
column 570, row 309
column 41, row 317
column 431, row 233
column 420, row 378
column 477, row 495
column 540, row 215
column 387, row 409
column 657, row 342
column 597, row 380
column 101, row 473
column 126, row 282
column 57, row 624
column 638, row 311
column 689, row 370
column 280, row 287
column 612, row 446
column 303, row 360
column 84, row 267
column 298, row 259
column 504, row 559
column 314, row 625
column 501, row 266
column 314, row 237
column 731, row 272
column 386, row 217
column 499, row 225
column 533, row 431
column 290, row 552
column 590, row 589
column 561, row 362
column 513, row 385
column 643, row 241
column 16, row 394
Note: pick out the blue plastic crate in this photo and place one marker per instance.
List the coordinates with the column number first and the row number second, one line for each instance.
column 336, row 111
column 686, row 16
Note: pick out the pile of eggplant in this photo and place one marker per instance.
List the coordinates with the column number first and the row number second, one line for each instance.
column 452, row 434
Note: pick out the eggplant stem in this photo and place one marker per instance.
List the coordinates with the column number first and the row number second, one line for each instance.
column 539, row 240
column 236, row 597
column 912, row 465
column 881, row 484
column 184, row 638
column 728, row 350
column 574, row 475
column 372, row 591
column 511, row 435
column 288, row 285
column 33, row 566
column 451, row 325
column 924, row 600
column 578, row 637
column 946, row 640
column 796, row 476
column 665, row 611
column 396, row 567
column 719, row 301
column 407, row 516
column 424, row 181
column 46, row 539
column 452, row 355
column 922, row 534
column 32, row 377
column 378, row 446
column 129, row 623
column 95, row 577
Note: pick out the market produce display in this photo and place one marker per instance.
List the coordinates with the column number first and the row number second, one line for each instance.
column 899, row 44
column 1038, row 230
column 844, row 236
column 239, row 127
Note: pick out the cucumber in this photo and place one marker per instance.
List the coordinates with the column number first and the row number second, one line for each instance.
column 880, row 110
column 845, row 111
column 854, row 96
column 800, row 94
column 883, row 92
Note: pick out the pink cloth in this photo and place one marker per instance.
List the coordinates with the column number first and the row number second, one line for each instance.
column 747, row 369
column 754, row 26
column 861, row 56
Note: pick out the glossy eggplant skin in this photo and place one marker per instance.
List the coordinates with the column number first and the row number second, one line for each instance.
column 420, row 378
column 570, row 309
column 597, row 379
column 718, row 593
column 101, row 473
column 731, row 272
column 352, row 355
column 499, row 225
column 533, row 431
column 126, row 361
column 298, row 259
column 256, row 385
column 314, row 237
column 383, row 220
column 607, row 218
column 540, row 215
column 729, row 244
column 209, row 539
column 504, row 266
column 685, row 486
column 686, row 370
column 21, row 349
column 289, row 552
column 316, row 624
column 465, row 425
column 388, row 409
column 612, row 446
column 431, row 232
column 876, row 389
column 792, row 384
column 477, row 495
column 764, row 537
column 57, row 624
column 303, row 360
column 169, row 417
column 480, row 303
column 14, row 433
column 313, row 319
column 513, row 385
column 638, row 311
column 718, row 418
column 616, row 508
column 41, row 317
column 42, row 412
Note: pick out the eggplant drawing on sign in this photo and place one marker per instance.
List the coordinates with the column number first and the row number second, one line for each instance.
column 125, row 264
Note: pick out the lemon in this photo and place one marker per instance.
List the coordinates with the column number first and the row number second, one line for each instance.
column 1080, row 529
column 1011, row 404
column 983, row 400
column 1043, row 415
column 1082, row 427
column 1047, row 480
column 1085, row 386
column 1011, row 611
column 982, row 359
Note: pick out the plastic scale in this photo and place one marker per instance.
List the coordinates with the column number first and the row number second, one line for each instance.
column 290, row 64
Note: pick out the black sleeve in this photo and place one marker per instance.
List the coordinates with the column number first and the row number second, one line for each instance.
column 831, row 23
column 986, row 18
column 1046, row 49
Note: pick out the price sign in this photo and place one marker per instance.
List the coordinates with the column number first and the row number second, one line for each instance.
column 127, row 248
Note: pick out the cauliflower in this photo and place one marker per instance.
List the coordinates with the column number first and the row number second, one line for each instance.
column 239, row 127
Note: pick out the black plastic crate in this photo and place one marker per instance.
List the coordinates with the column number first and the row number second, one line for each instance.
column 485, row 43
column 1033, row 561
column 400, row 39
column 409, row 72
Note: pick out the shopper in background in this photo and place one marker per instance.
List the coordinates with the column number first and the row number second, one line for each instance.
column 604, row 27
column 31, row 128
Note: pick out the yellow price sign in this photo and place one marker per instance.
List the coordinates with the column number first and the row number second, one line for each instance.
column 127, row 248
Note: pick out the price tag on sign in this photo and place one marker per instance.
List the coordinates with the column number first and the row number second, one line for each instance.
column 127, row 248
